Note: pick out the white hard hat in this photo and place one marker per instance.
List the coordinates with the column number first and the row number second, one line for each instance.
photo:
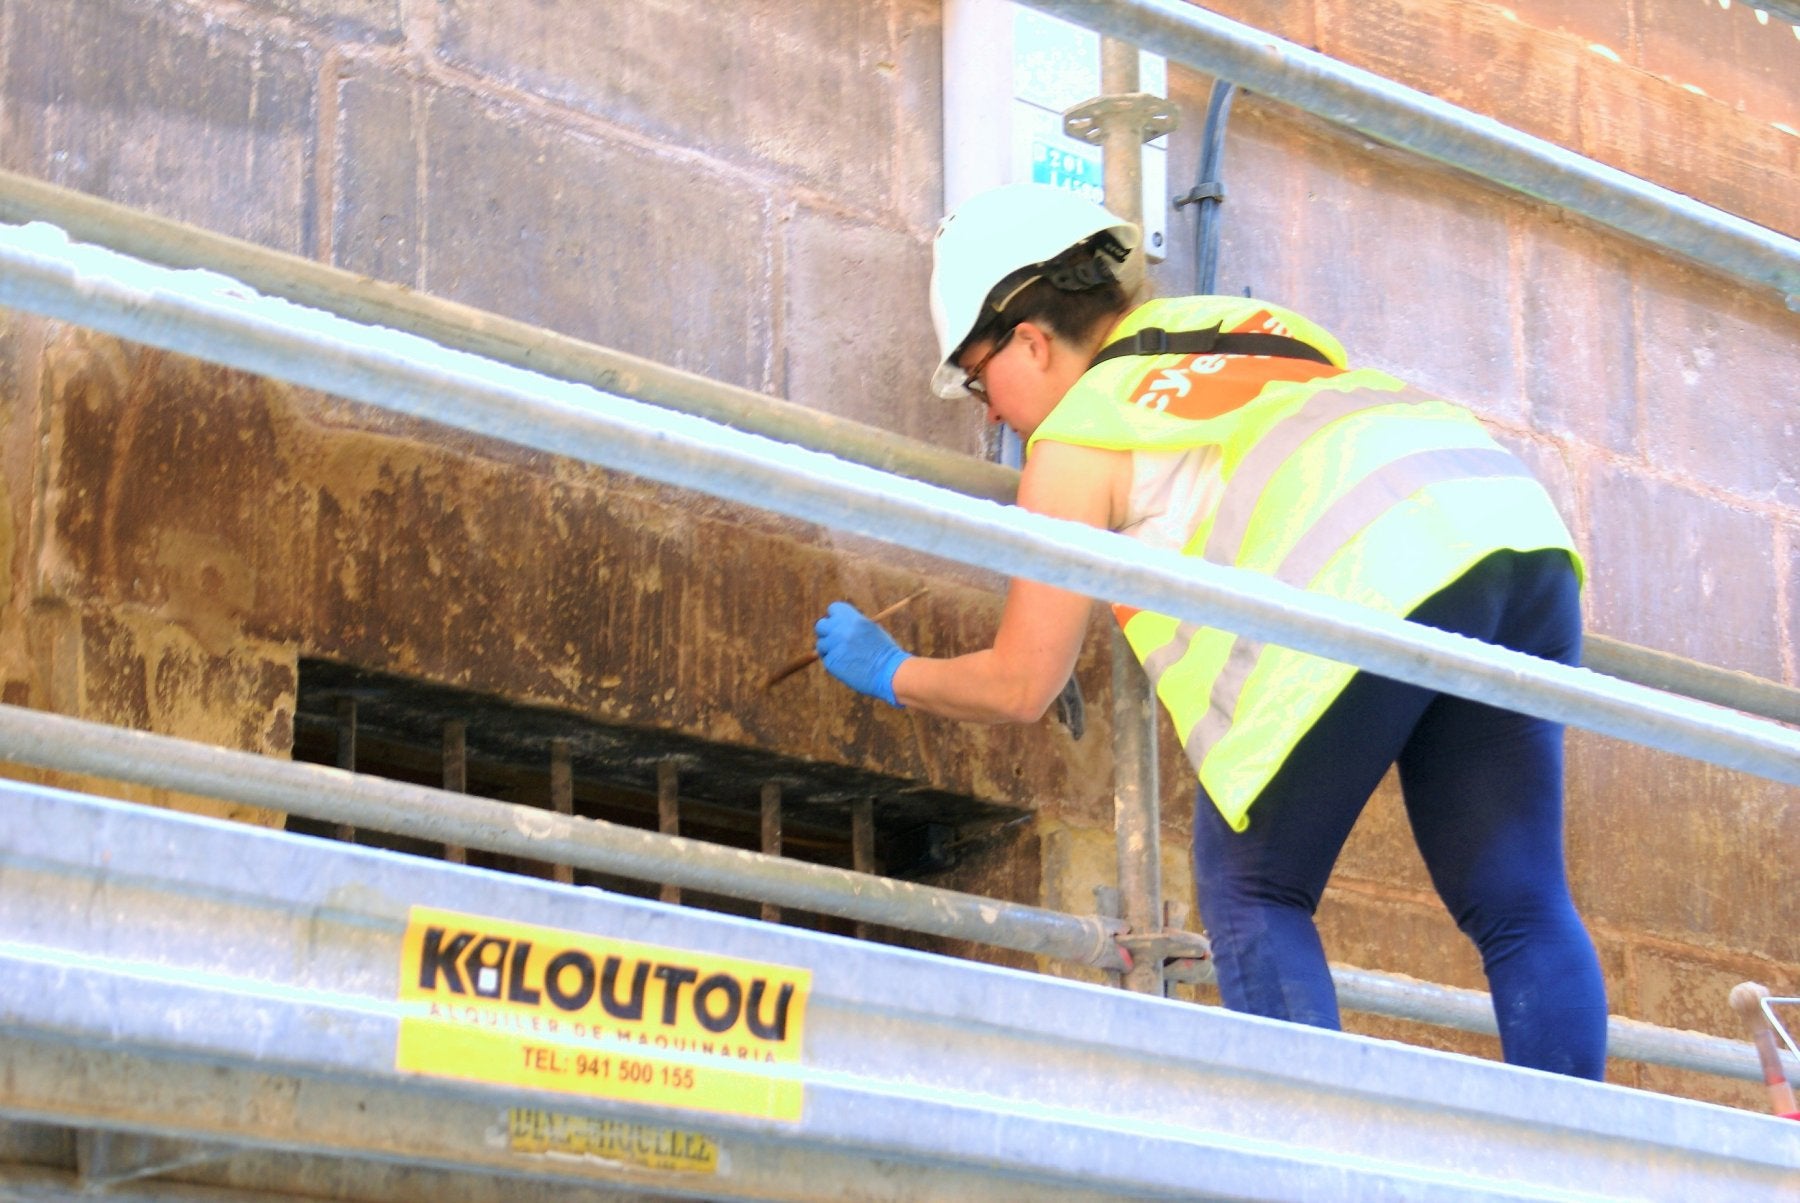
column 994, row 234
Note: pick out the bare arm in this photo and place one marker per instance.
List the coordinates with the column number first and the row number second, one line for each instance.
column 1041, row 628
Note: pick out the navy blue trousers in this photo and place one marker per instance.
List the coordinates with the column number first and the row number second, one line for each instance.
column 1484, row 794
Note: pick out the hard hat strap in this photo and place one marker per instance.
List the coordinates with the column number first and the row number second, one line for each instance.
column 1156, row 341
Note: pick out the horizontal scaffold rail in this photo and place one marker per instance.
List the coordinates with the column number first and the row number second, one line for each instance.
column 334, row 796
column 359, row 298
column 1438, row 130
column 224, row 321
column 178, row 977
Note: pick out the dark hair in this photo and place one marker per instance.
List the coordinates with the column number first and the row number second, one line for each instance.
column 1072, row 295
column 1071, row 315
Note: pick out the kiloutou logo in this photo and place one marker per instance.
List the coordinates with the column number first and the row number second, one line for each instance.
column 629, row 989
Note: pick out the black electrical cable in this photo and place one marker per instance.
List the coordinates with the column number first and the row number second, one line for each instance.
column 1209, row 188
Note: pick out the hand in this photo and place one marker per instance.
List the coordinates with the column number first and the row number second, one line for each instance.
column 858, row 652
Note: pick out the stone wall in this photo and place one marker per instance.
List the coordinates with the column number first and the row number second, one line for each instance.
column 752, row 200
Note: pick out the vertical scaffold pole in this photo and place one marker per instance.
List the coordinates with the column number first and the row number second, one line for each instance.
column 1137, row 812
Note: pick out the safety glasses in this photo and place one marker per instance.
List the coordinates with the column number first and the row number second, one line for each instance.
column 972, row 379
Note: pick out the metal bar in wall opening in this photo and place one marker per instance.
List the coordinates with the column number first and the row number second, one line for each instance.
column 1403, row 117
column 668, row 816
column 562, row 799
column 862, row 846
column 456, row 776
column 346, row 757
column 358, row 298
column 771, row 838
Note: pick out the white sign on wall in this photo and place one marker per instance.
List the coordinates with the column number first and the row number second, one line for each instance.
column 1009, row 73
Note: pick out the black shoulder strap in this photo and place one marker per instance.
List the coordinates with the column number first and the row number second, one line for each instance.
column 1156, row 341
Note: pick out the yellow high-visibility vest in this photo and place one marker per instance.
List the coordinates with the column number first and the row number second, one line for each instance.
column 1351, row 484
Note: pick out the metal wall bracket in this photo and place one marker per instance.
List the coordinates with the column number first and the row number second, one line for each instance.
column 1150, row 114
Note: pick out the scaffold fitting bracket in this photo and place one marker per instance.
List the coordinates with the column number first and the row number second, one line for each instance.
column 1151, row 115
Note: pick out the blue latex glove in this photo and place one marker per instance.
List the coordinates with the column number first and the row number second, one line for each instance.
column 858, row 652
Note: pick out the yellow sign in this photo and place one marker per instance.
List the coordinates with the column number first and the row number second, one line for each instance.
column 644, row 1145
column 549, row 1009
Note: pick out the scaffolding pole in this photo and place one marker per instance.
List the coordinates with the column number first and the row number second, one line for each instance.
column 1136, row 718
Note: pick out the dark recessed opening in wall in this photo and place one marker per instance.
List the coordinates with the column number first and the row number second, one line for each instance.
column 428, row 734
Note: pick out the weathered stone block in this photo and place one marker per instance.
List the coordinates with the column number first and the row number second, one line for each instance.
column 917, row 152
column 1417, row 280
column 1682, row 851
column 608, row 242
column 1745, row 59
column 1689, row 143
column 375, row 220
column 860, row 296
column 677, row 74
column 1701, row 343
column 1694, row 994
column 211, row 124
column 1469, row 54
column 1558, row 87
column 1614, row 26
column 165, row 490
column 1580, row 334
column 131, row 668
column 20, row 337
column 1682, row 572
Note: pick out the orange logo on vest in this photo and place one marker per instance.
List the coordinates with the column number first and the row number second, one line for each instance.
column 1204, row 386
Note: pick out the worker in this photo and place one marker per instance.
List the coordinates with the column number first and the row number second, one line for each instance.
column 1234, row 430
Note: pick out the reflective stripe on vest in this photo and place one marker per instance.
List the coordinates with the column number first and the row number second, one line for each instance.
column 1245, row 488
column 1364, row 503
